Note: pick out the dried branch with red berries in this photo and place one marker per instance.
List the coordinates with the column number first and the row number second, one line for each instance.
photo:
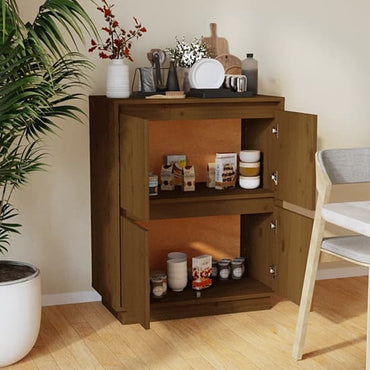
column 119, row 42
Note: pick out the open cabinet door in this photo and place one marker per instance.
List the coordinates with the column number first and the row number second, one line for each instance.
column 293, row 238
column 134, row 182
column 297, row 143
column 135, row 288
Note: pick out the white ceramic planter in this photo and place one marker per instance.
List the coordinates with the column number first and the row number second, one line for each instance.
column 20, row 316
column 118, row 79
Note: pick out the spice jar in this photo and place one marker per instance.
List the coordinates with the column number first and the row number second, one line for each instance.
column 242, row 260
column 158, row 284
column 236, row 270
column 214, row 268
column 224, row 269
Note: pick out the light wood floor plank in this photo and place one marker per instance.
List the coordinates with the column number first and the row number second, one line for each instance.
column 87, row 336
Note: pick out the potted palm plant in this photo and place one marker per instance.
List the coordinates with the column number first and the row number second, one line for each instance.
column 39, row 74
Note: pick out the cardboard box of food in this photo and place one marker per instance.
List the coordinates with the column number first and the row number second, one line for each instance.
column 167, row 177
column 201, row 272
column 188, row 178
column 226, row 170
column 179, row 162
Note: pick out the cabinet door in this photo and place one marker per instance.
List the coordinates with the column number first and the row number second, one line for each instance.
column 297, row 137
column 293, row 234
column 134, row 167
column 135, row 288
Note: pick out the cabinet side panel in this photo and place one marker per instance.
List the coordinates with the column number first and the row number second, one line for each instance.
column 135, row 274
column 257, row 244
column 257, row 134
column 104, row 179
column 294, row 234
column 134, row 167
column 296, row 158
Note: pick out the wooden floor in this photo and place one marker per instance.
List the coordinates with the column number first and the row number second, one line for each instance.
column 86, row 336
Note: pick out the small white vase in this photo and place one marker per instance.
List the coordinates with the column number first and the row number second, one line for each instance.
column 118, row 79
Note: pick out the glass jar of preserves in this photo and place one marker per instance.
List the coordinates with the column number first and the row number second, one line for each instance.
column 236, row 269
column 224, row 270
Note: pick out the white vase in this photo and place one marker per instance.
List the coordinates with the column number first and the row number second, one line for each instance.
column 20, row 315
column 118, row 79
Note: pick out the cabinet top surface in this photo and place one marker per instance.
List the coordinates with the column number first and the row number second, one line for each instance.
column 191, row 100
column 259, row 106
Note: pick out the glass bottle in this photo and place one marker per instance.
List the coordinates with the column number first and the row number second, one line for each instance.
column 250, row 69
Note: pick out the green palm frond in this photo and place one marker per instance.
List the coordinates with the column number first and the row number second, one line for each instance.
column 39, row 77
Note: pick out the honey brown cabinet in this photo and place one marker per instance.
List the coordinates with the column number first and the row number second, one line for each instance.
column 270, row 225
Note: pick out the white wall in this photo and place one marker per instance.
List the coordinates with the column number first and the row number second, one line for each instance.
column 315, row 53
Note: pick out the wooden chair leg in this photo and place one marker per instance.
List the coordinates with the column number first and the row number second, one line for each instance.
column 368, row 325
column 306, row 298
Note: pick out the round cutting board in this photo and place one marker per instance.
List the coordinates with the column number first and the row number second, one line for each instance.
column 231, row 63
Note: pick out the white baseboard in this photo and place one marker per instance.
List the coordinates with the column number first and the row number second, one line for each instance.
column 73, row 297
column 339, row 269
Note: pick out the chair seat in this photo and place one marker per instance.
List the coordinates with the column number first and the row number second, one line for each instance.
column 354, row 247
column 353, row 216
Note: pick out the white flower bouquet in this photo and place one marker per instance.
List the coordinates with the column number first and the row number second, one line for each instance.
column 185, row 54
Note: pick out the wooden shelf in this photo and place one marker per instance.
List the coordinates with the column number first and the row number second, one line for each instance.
column 225, row 296
column 202, row 193
column 209, row 202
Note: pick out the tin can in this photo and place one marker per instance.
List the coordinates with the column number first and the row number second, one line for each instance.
column 153, row 184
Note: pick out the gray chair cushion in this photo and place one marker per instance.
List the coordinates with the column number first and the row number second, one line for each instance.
column 356, row 247
column 353, row 216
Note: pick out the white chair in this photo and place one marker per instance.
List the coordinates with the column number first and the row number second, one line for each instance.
column 337, row 166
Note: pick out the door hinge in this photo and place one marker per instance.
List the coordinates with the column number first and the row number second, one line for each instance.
column 275, row 131
column 275, row 177
column 272, row 271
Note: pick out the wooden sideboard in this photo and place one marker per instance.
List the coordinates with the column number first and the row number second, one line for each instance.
column 129, row 137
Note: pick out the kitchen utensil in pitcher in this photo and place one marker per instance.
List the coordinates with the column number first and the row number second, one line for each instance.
column 159, row 57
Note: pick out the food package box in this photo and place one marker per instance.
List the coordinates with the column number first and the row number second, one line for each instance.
column 188, row 178
column 179, row 162
column 211, row 175
column 167, row 177
column 202, row 272
column 226, row 170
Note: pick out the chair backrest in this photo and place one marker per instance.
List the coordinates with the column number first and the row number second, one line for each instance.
column 345, row 166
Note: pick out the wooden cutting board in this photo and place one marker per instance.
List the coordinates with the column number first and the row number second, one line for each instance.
column 231, row 63
column 217, row 45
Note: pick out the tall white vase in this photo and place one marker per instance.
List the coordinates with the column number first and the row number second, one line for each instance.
column 118, row 79
column 20, row 316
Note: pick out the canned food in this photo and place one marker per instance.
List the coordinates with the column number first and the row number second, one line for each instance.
column 153, row 184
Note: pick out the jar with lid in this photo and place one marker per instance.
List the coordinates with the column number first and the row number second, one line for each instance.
column 158, row 284
column 214, row 268
column 242, row 260
column 224, row 269
column 236, row 270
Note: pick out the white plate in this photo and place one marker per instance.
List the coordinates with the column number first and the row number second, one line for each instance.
column 206, row 74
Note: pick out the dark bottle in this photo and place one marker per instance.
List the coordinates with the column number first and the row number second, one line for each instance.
column 172, row 81
column 250, row 69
